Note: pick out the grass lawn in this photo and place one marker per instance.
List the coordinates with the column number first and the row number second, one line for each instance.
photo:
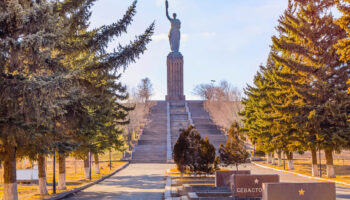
column 303, row 166
column 74, row 176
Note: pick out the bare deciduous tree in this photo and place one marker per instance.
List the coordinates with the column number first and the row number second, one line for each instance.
column 139, row 116
column 145, row 89
column 222, row 101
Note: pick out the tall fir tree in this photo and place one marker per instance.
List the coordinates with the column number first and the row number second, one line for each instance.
column 45, row 81
column 343, row 46
column 30, row 74
column 305, row 47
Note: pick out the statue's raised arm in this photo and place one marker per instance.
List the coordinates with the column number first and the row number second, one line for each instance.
column 167, row 9
column 174, row 34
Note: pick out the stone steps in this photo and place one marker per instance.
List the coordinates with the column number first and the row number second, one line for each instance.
column 151, row 147
column 178, row 120
column 204, row 124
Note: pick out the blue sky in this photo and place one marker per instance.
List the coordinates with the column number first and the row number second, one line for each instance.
column 221, row 39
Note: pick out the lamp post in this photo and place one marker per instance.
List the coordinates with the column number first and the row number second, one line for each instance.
column 90, row 166
column 319, row 156
column 110, row 160
column 54, row 162
column 54, row 174
column 319, row 152
column 284, row 161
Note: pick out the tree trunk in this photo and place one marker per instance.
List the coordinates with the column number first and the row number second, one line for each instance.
column 32, row 164
column 97, row 164
column 268, row 158
column 279, row 155
column 24, row 163
column 290, row 161
column 62, row 172
column 273, row 159
column 330, row 166
column 87, row 166
column 315, row 171
column 10, row 179
column 42, row 175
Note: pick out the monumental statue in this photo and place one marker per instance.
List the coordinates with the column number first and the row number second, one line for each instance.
column 175, row 61
column 174, row 34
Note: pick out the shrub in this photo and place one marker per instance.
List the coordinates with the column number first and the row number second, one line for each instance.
column 193, row 153
column 234, row 151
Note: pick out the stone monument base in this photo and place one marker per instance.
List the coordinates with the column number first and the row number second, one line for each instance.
column 175, row 83
column 177, row 98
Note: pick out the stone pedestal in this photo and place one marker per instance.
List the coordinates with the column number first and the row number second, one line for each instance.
column 175, row 63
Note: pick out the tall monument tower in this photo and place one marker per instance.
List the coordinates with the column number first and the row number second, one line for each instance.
column 175, row 61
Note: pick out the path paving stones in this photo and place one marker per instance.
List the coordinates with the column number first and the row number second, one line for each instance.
column 136, row 182
column 147, row 181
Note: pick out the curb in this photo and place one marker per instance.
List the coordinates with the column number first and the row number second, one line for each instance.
column 78, row 189
column 167, row 193
column 302, row 175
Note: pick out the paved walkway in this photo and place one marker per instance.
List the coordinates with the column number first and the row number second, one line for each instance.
column 342, row 191
column 136, row 182
column 146, row 182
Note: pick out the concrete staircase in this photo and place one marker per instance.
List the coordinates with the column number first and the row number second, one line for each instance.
column 151, row 147
column 178, row 120
column 204, row 124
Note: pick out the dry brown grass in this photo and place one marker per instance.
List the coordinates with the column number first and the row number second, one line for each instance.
column 74, row 175
column 138, row 119
column 224, row 113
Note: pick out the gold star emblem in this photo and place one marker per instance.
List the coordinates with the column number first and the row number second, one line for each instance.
column 301, row 192
column 256, row 181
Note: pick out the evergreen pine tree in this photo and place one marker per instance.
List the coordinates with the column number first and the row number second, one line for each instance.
column 30, row 74
column 234, row 151
column 45, row 80
column 305, row 48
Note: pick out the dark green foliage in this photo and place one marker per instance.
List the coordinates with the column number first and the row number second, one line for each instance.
column 181, row 150
column 306, row 51
column 193, row 153
column 259, row 153
column 208, row 161
column 299, row 100
column 234, row 151
column 60, row 88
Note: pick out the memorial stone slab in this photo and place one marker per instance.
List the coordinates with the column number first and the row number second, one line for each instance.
column 250, row 186
column 223, row 178
column 299, row 191
column 28, row 175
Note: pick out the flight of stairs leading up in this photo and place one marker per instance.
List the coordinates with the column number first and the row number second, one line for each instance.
column 178, row 120
column 151, row 147
column 204, row 124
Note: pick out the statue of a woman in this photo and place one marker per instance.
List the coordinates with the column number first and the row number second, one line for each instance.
column 174, row 34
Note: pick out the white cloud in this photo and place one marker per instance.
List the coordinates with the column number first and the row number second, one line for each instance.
column 159, row 2
column 160, row 37
column 207, row 34
column 185, row 37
